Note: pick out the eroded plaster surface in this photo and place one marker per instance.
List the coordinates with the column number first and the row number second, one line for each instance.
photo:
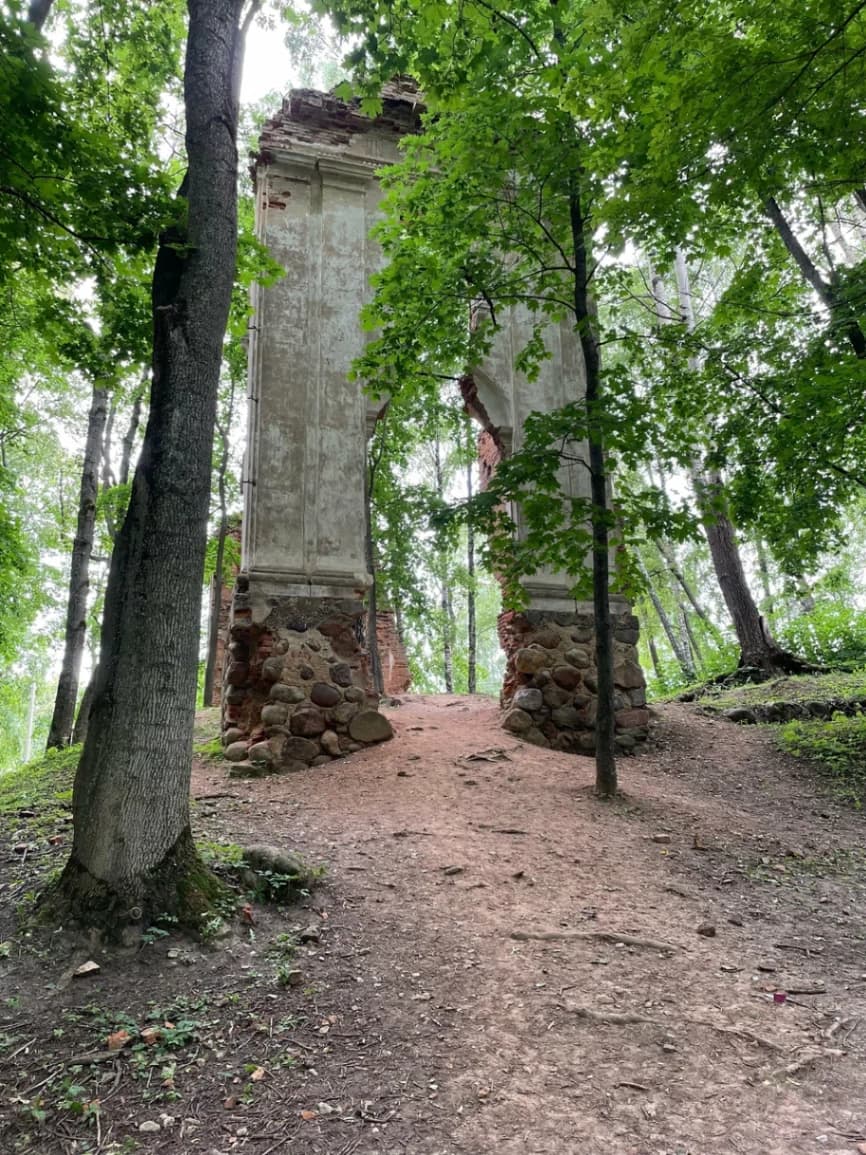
column 299, row 602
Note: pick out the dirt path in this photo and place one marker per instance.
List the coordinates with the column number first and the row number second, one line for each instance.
column 439, row 858
column 432, row 1022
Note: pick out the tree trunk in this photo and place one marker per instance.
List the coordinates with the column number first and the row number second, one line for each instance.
column 764, row 571
column 841, row 313
column 128, row 443
column 222, row 533
column 654, row 656
column 133, row 855
column 680, row 650
column 376, row 672
column 758, row 649
column 605, row 760
column 471, row 630
column 60, row 731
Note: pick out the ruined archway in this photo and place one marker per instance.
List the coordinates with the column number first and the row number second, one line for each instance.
column 297, row 687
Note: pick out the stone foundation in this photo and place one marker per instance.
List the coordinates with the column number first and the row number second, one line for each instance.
column 550, row 690
column 297, row 690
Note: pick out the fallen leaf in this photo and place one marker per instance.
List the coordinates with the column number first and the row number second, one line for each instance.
column 151, row 1035
column 308, row 1116
column 231, row 1102
column 117, row 1040
column 247, row 915
column 258, row 1074
column 88, row 968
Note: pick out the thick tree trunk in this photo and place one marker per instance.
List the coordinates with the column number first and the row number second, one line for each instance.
column 758, row 649
column 133, row 856
column 60, row 731
column 605, row 760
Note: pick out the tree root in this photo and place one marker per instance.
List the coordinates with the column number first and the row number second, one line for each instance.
column 625, row 1018
column 596, row 935
column 807, row 1060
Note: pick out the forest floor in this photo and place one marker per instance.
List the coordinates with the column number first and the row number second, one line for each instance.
column 496, row 961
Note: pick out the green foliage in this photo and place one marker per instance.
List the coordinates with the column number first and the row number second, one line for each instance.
column 837, row 747
column 831, row 634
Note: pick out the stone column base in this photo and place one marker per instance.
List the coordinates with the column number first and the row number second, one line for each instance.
column 297, row 690
column 550, row 691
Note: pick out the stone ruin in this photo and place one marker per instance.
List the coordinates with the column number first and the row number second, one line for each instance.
column 297, row 689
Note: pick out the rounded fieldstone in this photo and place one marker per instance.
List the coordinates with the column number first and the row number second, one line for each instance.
column 528, row 661
column 555, row 696
column 232, row 734
column 517, row 721
column 288, row 694
column 355, row 694
column 235, row 751
column 237, row 674
column 370, row 726
column 567, row 677
column 341, row 674
column 344, row 712
column 578, row 657
column 272, row 860
column 632, row 719
column 272, row 668
column 629, row 636
column 567, row 718
column 535, row 736
column 590, row 681
column 628, row 676
column 584, row 635
column 550, row 639
column 353, row 747
column 324, row 695
column 306, row 672
column 274, row 714
column 307, row 723
column 296, row 749
column 541, row 678
column 261, row 752
column 528, row 699
column 331, row 743
column 235, row 696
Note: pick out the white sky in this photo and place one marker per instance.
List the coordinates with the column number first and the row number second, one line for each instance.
column 267, row 66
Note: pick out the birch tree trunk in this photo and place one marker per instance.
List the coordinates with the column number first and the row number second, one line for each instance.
column 218, row 577
column 63, row 718
column 133, row 855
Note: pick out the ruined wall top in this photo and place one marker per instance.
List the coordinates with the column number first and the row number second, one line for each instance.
column 311, row 120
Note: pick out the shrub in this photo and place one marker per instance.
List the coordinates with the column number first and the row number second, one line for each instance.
column 836, row 747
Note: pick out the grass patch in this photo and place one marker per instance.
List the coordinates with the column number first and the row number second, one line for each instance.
column 836, row 747
column 837, row 685
column 38, row 792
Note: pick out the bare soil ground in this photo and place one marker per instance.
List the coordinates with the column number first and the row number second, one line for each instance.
column 504, row 964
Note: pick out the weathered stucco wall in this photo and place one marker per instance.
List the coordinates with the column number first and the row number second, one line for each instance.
column 303, row 563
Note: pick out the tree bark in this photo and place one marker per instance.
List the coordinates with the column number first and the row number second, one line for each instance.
column 133, row 856
column 680, row 650
column 471, row 628
column 840, row 312
column 758, row 649
column 605, row 760
column 222, row 533
column 60, row 731
column 376, row 671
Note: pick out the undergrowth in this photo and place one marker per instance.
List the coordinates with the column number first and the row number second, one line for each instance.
column 836, row 747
